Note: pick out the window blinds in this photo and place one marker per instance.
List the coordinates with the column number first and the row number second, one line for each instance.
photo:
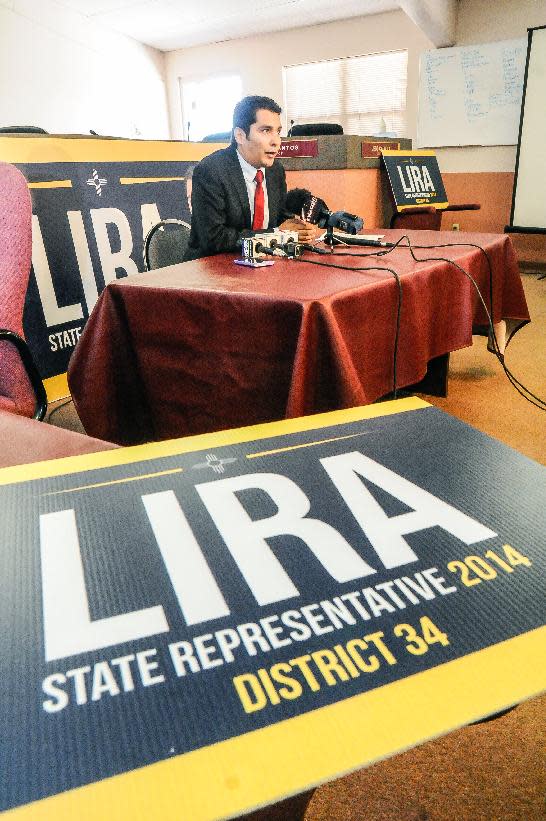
column 365, row 95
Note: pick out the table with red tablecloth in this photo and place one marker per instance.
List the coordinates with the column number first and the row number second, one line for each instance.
column 209, row 345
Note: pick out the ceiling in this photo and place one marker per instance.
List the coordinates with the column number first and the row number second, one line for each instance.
column 173, row 24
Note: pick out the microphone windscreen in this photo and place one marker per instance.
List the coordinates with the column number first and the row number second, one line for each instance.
column 297, row 200
column 301, row 202
column 316, row 211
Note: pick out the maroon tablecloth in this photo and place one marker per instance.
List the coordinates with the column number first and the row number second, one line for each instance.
column 209, row 345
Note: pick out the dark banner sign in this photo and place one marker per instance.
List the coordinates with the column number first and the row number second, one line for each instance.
column 298, row 148
column 195, row 628
column 93, row 203
column 414, row 178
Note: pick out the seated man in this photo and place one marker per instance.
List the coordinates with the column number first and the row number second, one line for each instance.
column 242, row 187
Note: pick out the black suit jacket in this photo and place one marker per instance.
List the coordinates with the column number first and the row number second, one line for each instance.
column 220, row 207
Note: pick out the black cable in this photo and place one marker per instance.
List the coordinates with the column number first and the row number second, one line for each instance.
column 514, row 381
column 398, row 309
column 496, row 348
column 58, row 408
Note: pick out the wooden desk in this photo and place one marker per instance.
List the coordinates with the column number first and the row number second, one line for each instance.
column 209, row 345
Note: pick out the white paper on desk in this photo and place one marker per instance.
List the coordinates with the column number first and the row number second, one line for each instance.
column 341, row 234
column 253, row 263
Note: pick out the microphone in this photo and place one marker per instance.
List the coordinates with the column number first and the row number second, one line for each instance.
column 303, row 203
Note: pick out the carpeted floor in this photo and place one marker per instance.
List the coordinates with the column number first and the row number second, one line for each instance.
column 480, row 394
column 494, row 771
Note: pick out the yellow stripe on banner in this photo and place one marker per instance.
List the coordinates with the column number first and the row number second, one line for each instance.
column 140, row 180
column 408, row 152
column 51, row 184
column 259, row 767
column 142, row 477
column 204, row 441
column 438, row 205
column 57, row 387
column 305, row 445
column 90, row 149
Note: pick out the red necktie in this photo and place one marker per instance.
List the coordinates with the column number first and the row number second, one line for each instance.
column 258, row 221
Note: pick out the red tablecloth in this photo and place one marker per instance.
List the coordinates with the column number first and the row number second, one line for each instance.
column 208, row 344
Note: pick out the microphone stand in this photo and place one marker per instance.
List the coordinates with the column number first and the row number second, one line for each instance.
column 329, row 238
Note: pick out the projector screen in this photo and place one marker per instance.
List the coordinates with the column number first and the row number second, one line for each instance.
column 529, row 197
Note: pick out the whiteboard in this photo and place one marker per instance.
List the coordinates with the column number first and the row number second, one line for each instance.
column 529, row 200
column 471, row 95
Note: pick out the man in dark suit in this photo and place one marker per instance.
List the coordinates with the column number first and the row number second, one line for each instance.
column 242, row 187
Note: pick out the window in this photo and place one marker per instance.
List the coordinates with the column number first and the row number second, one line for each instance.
column 207, row 105
column 366, row 95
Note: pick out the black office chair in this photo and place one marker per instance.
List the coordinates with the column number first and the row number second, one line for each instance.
column 219, row 137
column 315, row 129
column 165, row 243
column 22, row 129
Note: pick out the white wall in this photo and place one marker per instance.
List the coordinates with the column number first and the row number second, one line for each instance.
column 483, row 21
column 259, row 60
column 60, row 71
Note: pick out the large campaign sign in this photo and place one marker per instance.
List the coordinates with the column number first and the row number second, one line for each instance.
column 94, row 200
column 194, row 628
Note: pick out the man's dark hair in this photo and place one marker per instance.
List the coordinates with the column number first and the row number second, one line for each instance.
column 244, row 113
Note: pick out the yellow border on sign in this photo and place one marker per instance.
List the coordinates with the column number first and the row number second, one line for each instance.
column 263, row 766
column 141, row 180
column 91, row 149
column 190, row 444
column 57, row 387
column 394, row 152
column 51, row 184
column 439, row 205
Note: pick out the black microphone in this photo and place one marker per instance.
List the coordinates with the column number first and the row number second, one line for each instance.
column 301, row 202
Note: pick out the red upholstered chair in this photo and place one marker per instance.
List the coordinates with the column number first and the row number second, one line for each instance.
column 21, row 388
column 425, row 217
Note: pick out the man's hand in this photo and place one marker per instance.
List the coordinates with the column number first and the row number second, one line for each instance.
column 307, row 232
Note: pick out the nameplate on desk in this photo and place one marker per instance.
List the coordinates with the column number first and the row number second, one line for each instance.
column 373, row 148
column 298, row 148
column 198, row 627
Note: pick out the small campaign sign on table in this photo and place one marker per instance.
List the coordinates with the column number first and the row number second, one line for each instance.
column 415, row 179
column 373, row 148
column 194, row 628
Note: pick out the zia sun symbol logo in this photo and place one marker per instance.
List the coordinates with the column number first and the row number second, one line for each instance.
column 97, row 182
